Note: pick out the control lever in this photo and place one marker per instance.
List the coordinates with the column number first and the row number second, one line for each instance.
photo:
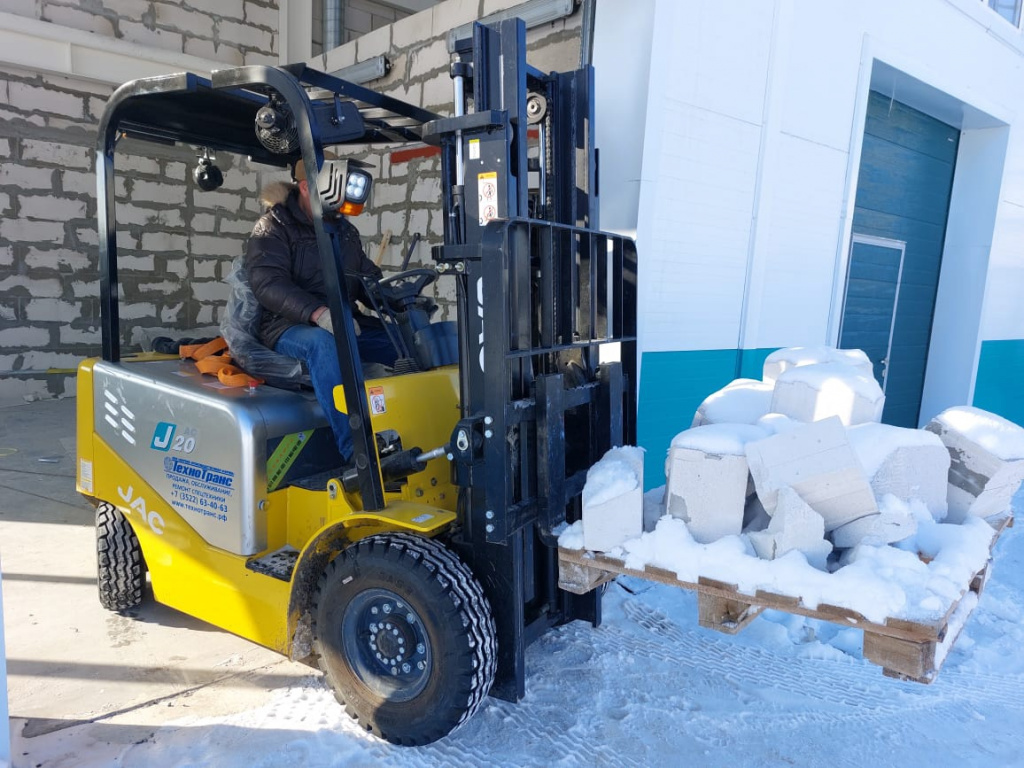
column 397, row 466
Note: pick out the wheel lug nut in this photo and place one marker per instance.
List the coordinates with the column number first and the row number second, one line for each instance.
column 421, row 665
column 410, row 618
column 394, row 632
column 374, row 610
column 406, row 668
column 394, row 670
column 387, row 607
column 421, row 648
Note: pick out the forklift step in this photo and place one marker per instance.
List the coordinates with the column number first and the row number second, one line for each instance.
column 278, row 564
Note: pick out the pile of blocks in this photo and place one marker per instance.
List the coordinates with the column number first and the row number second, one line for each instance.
column 799, row 461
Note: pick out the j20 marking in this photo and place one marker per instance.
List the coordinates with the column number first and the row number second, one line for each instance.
column 167, row 438
column 138, row 504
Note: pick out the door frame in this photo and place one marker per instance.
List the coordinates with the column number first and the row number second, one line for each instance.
column 882, row 242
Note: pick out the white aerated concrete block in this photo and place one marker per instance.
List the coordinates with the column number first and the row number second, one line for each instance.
column 613, row 499
column 782, row 360
column 794, row 526
column 905, row 463
column 986, row 461
column 708, row 479
column 742, row 401
column 887, row 527
column 815, row 392
column 820, row 465
column 707, row 492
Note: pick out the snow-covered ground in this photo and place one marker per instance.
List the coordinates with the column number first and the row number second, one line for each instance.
column 650, row 687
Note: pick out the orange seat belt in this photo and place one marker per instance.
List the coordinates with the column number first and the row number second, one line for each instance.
column 214, row 358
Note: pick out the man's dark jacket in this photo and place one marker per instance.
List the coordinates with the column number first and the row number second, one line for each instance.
column 283, row 263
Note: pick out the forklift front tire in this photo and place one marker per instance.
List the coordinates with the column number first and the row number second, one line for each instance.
column 121, row 575
column 405, row 637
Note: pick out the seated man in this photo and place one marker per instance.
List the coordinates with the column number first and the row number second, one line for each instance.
column 283, row 262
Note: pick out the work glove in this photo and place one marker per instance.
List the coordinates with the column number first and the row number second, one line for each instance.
column 324, row 321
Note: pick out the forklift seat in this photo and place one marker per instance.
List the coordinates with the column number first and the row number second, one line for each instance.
column 240, row 328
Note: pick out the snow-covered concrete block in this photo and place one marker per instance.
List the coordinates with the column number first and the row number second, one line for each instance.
column 707, row 479
column 894, row 522
column 613, row 499
column 742, row 401
column 815, row 392
column 986, row 460
column 817, row 461
column 905, row 463
column 782, row 360
column 794, row 526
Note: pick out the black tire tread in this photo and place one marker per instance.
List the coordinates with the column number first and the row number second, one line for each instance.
column 467, row 599
column 120, row 573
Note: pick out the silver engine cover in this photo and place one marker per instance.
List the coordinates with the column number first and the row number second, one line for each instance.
column 200, row 445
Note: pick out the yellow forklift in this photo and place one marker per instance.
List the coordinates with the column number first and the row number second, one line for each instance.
column 416, row 578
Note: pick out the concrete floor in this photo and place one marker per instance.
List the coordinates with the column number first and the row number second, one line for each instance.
column 70, row 662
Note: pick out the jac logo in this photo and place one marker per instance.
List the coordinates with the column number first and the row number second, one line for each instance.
column 164, row 438
column 138, row 504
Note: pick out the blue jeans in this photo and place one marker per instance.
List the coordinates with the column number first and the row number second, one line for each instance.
column 316, row 347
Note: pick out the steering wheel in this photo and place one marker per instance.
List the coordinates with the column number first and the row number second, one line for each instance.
column 403, row 288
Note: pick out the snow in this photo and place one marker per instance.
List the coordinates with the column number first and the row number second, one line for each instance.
column 721, row 439
column 873, row 443
column 781, row 360
column 649, row 687
column 878, row 582
column 777, row 423
column 995, row 434
column 612, row 476
column 742, row 401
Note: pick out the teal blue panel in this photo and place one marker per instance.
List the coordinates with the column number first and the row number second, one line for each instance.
column 672, row 387
column 903, row 189
column 1000, row 371
column 752, row 362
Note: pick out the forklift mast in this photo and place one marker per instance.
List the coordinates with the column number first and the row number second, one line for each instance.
column 547, row 310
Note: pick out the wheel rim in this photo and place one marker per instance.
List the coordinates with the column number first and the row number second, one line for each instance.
column 386, row 645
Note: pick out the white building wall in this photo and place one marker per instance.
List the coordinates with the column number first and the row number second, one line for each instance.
column 754, row 122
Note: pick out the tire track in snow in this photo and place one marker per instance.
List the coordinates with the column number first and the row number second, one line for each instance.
column 837, row 683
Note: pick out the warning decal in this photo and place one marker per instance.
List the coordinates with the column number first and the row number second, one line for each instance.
column 487, row 190
column 378, row 404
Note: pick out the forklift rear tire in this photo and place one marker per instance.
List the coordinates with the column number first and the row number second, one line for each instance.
column 405, row 637
column 121, row 574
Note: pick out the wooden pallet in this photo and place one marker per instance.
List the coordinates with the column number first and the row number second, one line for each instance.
column 904, row 649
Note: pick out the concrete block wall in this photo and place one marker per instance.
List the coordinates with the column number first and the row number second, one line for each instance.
column 176, row 240
column 230, row 31
column 407, row 192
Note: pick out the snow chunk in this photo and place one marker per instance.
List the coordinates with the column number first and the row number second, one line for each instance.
column 782, row 360
column 815, row 392
column 742, row 401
